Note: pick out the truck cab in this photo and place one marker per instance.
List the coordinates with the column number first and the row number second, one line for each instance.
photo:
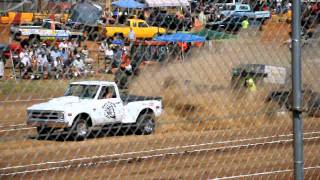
column 140, row 27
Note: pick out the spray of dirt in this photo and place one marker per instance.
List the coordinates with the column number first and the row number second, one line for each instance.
column 197, row 93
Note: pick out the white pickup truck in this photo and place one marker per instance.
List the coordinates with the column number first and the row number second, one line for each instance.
column 46, row 30
column 88, row 106
column 245, row 10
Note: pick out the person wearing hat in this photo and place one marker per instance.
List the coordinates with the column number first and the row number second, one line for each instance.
column 78, row 65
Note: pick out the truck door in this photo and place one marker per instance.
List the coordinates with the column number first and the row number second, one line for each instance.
column 109, row 106
column 144, row 30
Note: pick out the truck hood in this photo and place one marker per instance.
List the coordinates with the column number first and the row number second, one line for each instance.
column 56, row 104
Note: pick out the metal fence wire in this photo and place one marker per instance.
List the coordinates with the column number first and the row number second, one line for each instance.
column 201, row 91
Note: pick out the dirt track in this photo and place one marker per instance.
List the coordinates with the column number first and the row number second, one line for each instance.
column 165, row 155
column 187, row 155
column 223, row 146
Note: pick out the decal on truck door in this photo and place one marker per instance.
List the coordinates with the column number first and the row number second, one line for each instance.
column 109, row 110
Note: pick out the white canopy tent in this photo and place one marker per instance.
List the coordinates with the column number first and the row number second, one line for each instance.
column 167, row 3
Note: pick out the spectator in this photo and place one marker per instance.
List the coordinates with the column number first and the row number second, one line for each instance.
column 64, row 54
column 86, row 55
column 42, row 62
column 25, row 58
column 202, row 18
column 72, row 45
column 57, row 63
column 126, row 62
column 67, row 63
column 132, row 37
column 103, row 46
column 78, row 66
column 63, row 44
column 54, row 53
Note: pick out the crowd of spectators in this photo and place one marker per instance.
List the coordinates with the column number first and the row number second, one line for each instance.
column 66, row 59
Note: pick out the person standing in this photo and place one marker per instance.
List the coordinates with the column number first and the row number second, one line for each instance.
column 43, row 62
column 132, row 37
column 251, row 85
column 245, row 23
column 202, row 18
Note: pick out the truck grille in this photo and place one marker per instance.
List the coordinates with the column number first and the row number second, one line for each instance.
column 44, row 115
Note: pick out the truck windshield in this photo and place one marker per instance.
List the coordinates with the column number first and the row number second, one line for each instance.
column 82, row 91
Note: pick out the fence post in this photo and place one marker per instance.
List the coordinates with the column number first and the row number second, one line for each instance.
column 296, row 89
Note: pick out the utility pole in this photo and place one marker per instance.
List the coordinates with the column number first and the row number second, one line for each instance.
column 296, row 90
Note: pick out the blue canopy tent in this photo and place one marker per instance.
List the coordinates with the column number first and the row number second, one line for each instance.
column 180, row 37
column 130, row 4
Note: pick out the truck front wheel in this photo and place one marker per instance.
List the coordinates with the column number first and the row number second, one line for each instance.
column 79, row 130
column 146, row 124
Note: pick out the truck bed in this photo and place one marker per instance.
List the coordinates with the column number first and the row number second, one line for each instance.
column 131, row 98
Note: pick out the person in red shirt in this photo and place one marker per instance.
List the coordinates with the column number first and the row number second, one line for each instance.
column 125, row 61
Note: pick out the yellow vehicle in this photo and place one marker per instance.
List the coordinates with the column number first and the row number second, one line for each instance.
column 59, row 17
column 141, row 29
column 24, row 17
column 16, row 18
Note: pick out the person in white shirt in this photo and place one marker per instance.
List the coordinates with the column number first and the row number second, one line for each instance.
column 25, row 64
column 103, row 46
column 63, row 44
column 42, row 62
column 25, row 58
column 78, row 65
column 54, row 53
column 86, row 55
column 131, row 36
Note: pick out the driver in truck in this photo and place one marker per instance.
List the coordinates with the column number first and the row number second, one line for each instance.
column 108, row 93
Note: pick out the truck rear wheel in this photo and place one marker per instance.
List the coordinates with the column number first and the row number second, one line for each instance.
column 146, row 124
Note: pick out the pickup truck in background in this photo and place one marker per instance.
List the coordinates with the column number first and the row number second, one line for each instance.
column 141, row 29
column 43, row 30
column 95, row 105
column 245, row 10
column 261, row 73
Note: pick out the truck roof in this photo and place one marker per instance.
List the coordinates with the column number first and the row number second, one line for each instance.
column 94, row 83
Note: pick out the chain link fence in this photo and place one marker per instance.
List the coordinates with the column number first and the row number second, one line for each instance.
column 218, row 107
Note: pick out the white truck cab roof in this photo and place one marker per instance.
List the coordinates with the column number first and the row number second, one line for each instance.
column 95, row 83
